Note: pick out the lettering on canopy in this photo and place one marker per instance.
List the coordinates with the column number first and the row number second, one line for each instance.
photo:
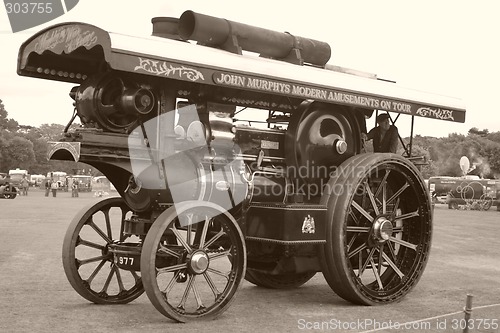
column 300, row 90
column 67, row 38
column 437, row 113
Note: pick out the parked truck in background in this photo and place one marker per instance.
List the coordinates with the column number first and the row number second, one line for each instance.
column 469, row 191
column 16, row 175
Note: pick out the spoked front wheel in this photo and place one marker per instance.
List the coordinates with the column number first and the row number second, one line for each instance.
column 379, row 229
column 193, row 261
column 87, row 260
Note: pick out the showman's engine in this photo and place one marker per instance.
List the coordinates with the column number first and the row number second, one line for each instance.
column 237, row 153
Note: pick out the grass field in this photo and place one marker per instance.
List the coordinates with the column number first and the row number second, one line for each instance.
column 36, row 296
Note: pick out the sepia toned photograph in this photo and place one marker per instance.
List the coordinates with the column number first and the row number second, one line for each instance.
column 208, row 166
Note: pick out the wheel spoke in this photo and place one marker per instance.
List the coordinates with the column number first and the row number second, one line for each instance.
column 391, row 250
column 408, row 215
column 181, row 239
column 182, row 303
column 168, row 251
column 392, row 264
column 404, row 243
column 372, row 198
column 377, row 276
column 357, row 250
column 380, row 258
column 216, row 237
column 398, row 193
column 90, row 244
column 357, row 229
column 108, row 280
column 398, row 229
column 204, row 231
column 218, row 255
column 354, row 217
column 189, row 230
column 96, row 271
column 135, row 276
column 216, row 271
column 395, row 209
column 119, row 278
column 365, row 264
column 197, row 295
column 362, row 211
column 171, row 268
column 353, row 238
column 382, row 185
column 212, row 285
column 100, row 232
column 384, row 198
column 94, row 259
column 108, row 223
column 171, row 283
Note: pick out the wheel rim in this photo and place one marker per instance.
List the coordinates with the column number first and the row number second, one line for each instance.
column 193, row 272
column 11, row 195
column 88, row 262
column 381, row 240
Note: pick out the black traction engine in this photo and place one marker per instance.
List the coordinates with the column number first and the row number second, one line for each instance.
column 236, row 152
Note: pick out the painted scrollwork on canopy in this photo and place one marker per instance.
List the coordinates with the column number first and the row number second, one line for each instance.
column 162, row 68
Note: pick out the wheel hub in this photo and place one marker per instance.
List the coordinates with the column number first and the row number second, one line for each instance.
column 382, row 229
column 198, row 262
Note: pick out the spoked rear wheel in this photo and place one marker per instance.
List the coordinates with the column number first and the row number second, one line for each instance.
column 193, row 261
column 87, row 260
column 378, row 230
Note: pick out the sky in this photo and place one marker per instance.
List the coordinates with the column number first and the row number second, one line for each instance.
column 445, row 47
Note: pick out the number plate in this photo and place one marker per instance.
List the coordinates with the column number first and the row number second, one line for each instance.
column 127, row 262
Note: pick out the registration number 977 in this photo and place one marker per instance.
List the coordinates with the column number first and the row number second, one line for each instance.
column 127, row 261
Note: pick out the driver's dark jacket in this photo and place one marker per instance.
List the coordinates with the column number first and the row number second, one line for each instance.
column 388, row 144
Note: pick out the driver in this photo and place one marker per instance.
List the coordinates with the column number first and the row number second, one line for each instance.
column 385, row 136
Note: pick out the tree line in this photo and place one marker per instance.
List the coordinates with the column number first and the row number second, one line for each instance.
column 25, row 147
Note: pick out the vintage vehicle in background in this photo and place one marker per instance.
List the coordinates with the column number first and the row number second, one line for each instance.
column 477, row 194
column 17, row 175
column 102, row 186
column 60, row 178
column 7, row 189
column 84, row 182
column 466, row 192
column 205, row 200
column 36, row 180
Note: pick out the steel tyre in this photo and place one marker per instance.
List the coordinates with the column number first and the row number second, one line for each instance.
column 379, row 229
column 87, row 262
column 193, row 261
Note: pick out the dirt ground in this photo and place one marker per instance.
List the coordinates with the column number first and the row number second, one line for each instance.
column 36, row 296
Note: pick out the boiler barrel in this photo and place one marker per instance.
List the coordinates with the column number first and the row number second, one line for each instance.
column 213, row 31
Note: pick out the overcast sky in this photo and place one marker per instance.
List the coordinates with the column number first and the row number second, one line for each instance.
column 447, row 47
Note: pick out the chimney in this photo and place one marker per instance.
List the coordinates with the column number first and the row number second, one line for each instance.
column 166, row 27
